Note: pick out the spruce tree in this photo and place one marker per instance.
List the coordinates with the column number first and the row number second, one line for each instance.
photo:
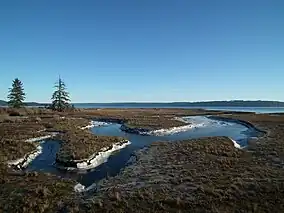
column 60, row 98
column 16, row 94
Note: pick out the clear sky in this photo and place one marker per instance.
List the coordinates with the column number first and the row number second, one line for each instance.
column 144, row 50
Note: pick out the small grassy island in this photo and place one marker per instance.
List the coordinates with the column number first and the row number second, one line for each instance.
column 79, row 145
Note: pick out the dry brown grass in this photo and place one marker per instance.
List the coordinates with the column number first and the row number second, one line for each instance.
column 205, row 175
column 13, row 133
column 81, row 144
column 151, row 119
column 33, row 192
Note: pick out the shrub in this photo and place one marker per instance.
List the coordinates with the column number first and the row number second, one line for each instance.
column 14, row 113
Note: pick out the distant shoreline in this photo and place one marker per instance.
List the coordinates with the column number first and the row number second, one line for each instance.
column 203, row 104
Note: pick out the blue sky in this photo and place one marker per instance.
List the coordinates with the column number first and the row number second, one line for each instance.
column 150, row 50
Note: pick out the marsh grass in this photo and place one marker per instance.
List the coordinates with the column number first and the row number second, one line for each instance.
column 34, row 192
column 80, row 144
column 204, row 175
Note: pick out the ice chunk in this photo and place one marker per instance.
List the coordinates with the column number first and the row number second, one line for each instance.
column 24, row 162
column 41, row 138
column 173, row 130
column 236, row 144
column 94, row 123
column 79, row 188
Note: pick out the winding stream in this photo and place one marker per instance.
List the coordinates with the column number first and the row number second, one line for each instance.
column 205, row 127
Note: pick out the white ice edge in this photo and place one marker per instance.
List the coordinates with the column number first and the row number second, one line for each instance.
column 101, row 157
column 41, row 138
column 32, row 156
column 173, row 130
column 81, row 188
column 24, row 162
column 16, row 162
column 236, row 145
column 191, row 122
column 94, row 123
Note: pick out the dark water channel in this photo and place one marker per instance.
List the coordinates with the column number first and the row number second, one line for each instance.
column 204, row 127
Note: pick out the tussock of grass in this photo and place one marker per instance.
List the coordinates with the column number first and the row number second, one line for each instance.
column 13, row 134
column 153, row 123
column 14, row 149
column 81, row 144
column 63, row 124
column 34, row 192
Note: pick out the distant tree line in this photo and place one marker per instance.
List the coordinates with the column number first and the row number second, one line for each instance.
column 60, row 97
column 234, row 103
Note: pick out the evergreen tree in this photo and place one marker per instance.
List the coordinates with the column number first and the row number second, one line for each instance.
column 60, row 98
column 16, row 94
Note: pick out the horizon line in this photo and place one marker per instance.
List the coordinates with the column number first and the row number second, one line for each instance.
column 158, row 102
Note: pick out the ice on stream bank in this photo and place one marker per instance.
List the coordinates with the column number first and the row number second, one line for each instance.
column 101, row 157
column 42, row 137
column 94, row 124
column 236, row 145
column 174, row 130
column 191, row 122
column 24, row 162
column 81, row 188
column 16, row 162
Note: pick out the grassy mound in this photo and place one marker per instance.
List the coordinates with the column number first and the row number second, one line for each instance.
column 81, row 144
column 153, row 123
column 33, row 192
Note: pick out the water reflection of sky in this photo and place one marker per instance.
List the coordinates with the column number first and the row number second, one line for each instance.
column 44, row 162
